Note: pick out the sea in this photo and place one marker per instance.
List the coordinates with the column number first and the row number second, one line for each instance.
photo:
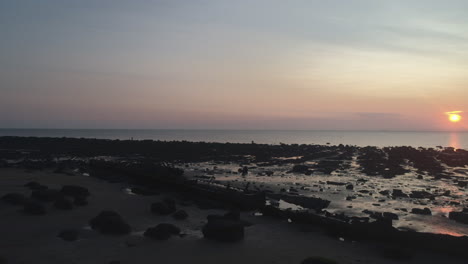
column 427, row 139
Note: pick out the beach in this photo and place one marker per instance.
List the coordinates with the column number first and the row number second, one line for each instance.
column 233, row 203
column 33, row 239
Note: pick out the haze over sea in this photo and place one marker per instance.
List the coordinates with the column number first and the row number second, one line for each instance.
column 358, row 138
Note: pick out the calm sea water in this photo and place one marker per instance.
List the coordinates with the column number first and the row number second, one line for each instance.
column 359, row 138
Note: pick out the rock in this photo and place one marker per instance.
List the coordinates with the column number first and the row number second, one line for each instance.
column 144, row 191
column 33, row 185
column 461, row 217
column 110, row 222
column 180, row 215
column 224, row 229
column 336, row 183
column 385, row 192
column 63, row 204
column 68, row 234
column 163, row 208
column 34, row 208
column 420, row 195
column 162, row 231
column 399, row 193
column 80, row 201
column 349, row 187
column 425, row 211
column 389, row 215
column 300, row 169
column 48, row 195
column 318, row 260
column 14, row 198
column 75, row 191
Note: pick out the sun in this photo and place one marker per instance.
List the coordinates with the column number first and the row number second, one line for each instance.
column 454, row 116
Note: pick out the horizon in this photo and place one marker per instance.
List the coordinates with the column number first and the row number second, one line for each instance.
column 247, row 65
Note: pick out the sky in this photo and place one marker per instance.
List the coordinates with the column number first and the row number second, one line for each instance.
column 244, row 64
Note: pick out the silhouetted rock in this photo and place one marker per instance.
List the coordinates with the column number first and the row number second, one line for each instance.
column 110, row 222
column 349, row 187
column 33, row 185
column 223, row 228
column 163, row 208
column 461, row 217
column 425, row 211
column 34, row 208
column 180, row 215
column 162, row 231
column 63, row 203
column 68, row 234
column 318, row 260
column 80, row 201
column 14, row 198
column 399, row 193
column 48, row 195
column 75, row 191
column 144, row 191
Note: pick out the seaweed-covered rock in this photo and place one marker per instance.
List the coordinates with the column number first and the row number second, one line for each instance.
column 318, row 260
column 163, row 208
column 34, row 208
column 224, row 229
column 14, row 198
column 162, row 231
column 63, row 204
column 110, row 222
column 461, row 217
column 425, row 211
column 80, row 201
column 180, row 215
column 48, row 195
column 75, row 191
column 68, row 234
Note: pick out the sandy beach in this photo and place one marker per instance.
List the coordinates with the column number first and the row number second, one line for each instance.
column 33, row 238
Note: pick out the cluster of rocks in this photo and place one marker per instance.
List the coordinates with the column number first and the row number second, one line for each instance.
column 63, row 199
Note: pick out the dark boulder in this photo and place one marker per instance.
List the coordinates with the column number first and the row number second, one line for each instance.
column 300, row 169
column 389, row 215
column 180, row 215
column 63, row 204
column 224, row 229
column 425, row 211
column 318, row 260
column 75, row 191
column 349, row 187
column 48, row 195
column 34, row 208
column 144, row 191
column 461, row 217
column 110, row 222
column 68, row 234
column 164, row 208
column 14, row 198
column 80, row 201
column 162, row 231
column 399, row 193
column 36, row 186
column 420, row 195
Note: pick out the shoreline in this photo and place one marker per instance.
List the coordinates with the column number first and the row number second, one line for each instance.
column 207, row 176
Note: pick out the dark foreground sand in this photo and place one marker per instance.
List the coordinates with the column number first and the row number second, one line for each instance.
column 33, row 239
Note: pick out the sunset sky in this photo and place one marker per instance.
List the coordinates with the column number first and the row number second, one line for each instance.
column 345, row 65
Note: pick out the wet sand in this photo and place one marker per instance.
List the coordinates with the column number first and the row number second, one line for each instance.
column 33, row 239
